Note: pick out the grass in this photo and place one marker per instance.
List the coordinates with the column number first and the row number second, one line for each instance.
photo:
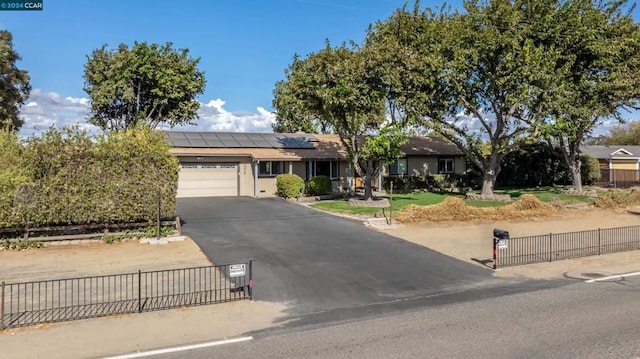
column 429, row 198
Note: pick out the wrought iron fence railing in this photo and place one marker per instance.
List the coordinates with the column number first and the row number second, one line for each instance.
column 47, row 301
column 557, row 246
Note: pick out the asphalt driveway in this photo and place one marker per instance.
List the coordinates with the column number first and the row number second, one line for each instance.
column 317, row 262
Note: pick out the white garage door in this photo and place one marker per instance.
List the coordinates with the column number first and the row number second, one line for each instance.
column 208, row 179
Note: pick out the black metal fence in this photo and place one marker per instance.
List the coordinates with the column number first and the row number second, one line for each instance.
column 30, row 303
column 557, row 246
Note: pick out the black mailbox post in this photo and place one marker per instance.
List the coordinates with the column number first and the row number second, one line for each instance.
column 502, row 236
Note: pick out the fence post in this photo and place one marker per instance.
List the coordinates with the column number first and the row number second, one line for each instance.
column 550, row 247
column 158, row 219
column 495, row 258
column 391, row 204
column 2, row 308
column 139, row 291
column 599, row 251
column 251, row 280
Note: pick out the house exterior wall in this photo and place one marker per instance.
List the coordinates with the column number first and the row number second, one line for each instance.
column 247, row 171
column 624, row 164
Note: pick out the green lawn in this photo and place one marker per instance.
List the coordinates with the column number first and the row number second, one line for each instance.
column 429, row 198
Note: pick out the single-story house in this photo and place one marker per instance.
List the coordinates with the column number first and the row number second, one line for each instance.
column 619, row 165
column 246, row 164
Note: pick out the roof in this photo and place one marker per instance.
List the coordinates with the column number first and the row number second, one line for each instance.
column 611, row 151
column 320, row 146
column 188, row 139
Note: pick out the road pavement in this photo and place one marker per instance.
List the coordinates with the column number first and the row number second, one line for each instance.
column 580, row 320
column 316, row 262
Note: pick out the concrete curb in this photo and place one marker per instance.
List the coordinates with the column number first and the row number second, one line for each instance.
column 162, row 240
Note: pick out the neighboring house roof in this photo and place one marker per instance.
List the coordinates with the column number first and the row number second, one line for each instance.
column 608, row 152
column 288, row 146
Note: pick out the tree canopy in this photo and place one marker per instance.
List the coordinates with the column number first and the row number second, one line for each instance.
column 145, row 84
column 330, row 90
column 601, row 44
column 623, row 135
column 14, row 87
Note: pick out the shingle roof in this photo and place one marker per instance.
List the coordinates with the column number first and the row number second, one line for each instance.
column 613, row 151
column 325, row 146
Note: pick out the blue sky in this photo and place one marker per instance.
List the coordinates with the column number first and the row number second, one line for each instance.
column 244, row 48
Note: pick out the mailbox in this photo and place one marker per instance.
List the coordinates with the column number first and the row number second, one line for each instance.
column 500, row 234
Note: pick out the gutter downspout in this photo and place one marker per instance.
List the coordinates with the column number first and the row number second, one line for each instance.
column 255, row 178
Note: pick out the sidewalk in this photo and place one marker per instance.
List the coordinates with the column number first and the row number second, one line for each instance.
column 125, row 334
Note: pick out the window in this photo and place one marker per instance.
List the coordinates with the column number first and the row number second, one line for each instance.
column 398, row 167
column 327, row 168
column 271, row 168
column 445, row 165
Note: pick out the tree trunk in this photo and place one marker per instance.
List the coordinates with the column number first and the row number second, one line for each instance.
column 488, row 180
column 368, row 191
column 490, row 174
column 576, row 176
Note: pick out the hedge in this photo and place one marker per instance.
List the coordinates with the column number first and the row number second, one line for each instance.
column 71, row 178
column 319, row 185
column 289, row 185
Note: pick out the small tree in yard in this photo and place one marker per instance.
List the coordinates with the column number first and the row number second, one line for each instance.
column 332, row 90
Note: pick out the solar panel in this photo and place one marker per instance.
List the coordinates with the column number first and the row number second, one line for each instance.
column 231, row 143
column 261, row 143
column 240, row 140
column 225, row 135
column 191, row 135
column 214, row 143
column 199, row 143
column 246, row 143
column 177, row 142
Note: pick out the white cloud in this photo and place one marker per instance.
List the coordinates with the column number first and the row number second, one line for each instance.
column 46, row 109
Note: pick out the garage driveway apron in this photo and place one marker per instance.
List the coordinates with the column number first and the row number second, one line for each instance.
column 315, row 261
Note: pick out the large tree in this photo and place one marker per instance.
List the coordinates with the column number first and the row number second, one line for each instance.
column 601, row 44
column 14, row 87
column 479, row 79
column 627, row 134
column 147, row 83
column 330, row 90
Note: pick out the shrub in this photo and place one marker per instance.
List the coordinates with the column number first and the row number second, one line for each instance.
column 70, row 178
column 319, row 185
column 590, row 169
column 435, row 182
column 289, row 185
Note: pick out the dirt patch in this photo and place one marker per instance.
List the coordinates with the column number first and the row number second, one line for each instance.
column 453, row 208
column 97, row 258
column 472, row 241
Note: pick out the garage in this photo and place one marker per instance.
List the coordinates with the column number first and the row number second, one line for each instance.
column 208, row 179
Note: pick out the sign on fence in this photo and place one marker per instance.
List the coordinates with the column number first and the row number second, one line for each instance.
column 237, row 270
column 502, row 244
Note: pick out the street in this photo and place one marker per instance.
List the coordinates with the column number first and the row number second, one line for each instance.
column 578, row 320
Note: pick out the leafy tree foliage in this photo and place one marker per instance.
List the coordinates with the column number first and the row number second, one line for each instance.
column 14, row 87
column 329, row 90
column 145, row 84
column 626, row 134
column 66, row 177
column 600, row 43
column 479, row 68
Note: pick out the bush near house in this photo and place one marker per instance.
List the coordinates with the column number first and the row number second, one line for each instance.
column 289, row 185
column 67, row 177
column 319, row 185
column 435, row 182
